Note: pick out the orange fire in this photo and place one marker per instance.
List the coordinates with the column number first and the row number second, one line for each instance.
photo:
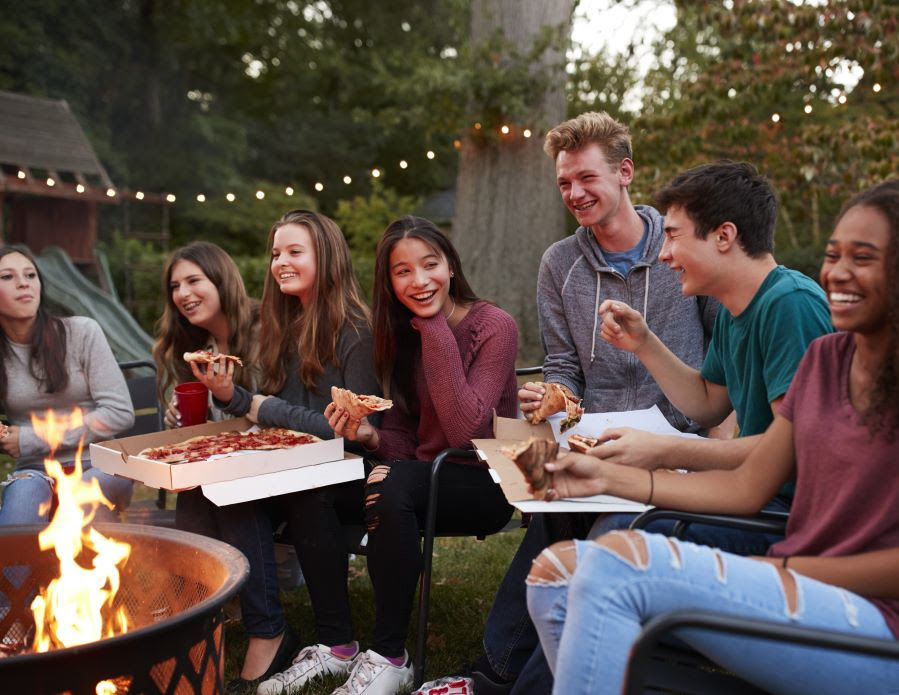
column 76, row 607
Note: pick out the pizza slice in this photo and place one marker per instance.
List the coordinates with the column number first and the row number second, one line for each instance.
column 208, row 357
column 557, row 399
column 531, row 457
column 582, row 443
column 358, row 406
column 4, row 430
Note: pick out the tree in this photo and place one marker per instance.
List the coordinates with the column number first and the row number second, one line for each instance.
column 507, row 209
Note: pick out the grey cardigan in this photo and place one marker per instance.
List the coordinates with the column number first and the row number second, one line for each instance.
column 574, row 279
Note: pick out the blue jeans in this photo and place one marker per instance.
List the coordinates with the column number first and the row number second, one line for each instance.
column 588, row 623
column 248, row 526
column 510, row 640
column 27, row 490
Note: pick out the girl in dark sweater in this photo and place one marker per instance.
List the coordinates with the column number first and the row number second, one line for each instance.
column 447, row 360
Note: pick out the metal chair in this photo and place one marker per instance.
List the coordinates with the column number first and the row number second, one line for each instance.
column 424, row 593
column 656, row 666
column 148, row 416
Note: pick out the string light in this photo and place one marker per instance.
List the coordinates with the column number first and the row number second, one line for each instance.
column 876, row 87
column 348, row 180
column 79, row 188
column 504, row 130
column 260, row 195
column 140, row 196
column 376, row 173
column 289, row 190
column 808, row 108
column 201, row 198
column 775, row 117
column 842, row 99
column 527, row 132
column 230, row 197
column 170, row 198
column 319, row 186
column 110, row 192
column 430, row 154
column 403, row 164
column 50, row 181
column 477, row 126
column 21, row 174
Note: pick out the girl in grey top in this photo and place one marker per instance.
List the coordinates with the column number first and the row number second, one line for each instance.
column 52, row 363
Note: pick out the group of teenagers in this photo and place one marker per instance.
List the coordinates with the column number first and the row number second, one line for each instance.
column 688, row 312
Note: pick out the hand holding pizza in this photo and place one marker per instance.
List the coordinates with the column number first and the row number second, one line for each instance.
column 575, row 475
column 530, row 396
column 9, row 441
column 356, row 430
column 217, row 376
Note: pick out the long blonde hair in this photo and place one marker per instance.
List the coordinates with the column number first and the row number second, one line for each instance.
column 177, row 335
column 313, row 331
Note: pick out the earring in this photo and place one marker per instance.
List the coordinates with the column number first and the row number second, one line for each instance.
column 452, row 274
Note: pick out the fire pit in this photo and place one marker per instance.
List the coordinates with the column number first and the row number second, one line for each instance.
column 172, row 591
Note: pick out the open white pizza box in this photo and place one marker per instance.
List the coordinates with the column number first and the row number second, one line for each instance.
column 504, row 471
column 251, row 471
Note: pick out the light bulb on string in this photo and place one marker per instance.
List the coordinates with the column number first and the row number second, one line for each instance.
column 201, row 198
column 319, row 186
column 140, row 196
column 260, row 194
column 348, row 180
column 404, row 164
column 230, row 197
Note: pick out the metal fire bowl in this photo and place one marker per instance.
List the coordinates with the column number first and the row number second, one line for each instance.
column 173, row 588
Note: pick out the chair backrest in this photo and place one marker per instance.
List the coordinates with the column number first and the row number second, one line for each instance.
column 142, row 388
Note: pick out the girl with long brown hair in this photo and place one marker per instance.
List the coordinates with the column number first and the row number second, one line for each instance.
column 447, row 360
column 314, row 334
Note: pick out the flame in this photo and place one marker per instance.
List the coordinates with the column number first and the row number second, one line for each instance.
column 76, row 606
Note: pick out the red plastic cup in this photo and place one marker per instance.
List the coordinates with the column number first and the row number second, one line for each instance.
column 193, row 402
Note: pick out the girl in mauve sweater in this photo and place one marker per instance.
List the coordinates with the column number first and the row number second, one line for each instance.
column 447, row 360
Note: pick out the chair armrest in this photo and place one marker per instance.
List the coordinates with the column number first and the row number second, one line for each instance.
column 764, row 522
column 662, row 626
column 525, row 371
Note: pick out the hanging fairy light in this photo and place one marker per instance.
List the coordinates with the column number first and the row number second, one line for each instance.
column 201, row 198
column 289, row 190
column 430, row 154
column 50, row 181
column 260, row 194
column 79, row 188
column 230, row 197
column 21, row 174
column 404, row 164
column 876, row 87
column 376, row 173
column 348, row 180
column 808, row 108
column 140, row 196
column 527, row 132
column 319, row 186
column 775, row 117
column 110, row 192
column 504, row 130
column 170, row 198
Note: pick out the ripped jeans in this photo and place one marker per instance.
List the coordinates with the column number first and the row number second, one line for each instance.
column 611, row 598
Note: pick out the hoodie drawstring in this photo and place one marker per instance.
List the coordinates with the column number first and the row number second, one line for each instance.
column 596, row 309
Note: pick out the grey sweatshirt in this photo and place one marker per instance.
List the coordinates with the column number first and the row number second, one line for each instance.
column 298, row 408
column 574, row 279
column 96, row 385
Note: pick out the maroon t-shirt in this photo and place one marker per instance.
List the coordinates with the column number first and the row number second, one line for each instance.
column 847, row 496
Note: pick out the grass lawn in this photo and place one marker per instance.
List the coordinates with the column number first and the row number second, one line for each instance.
column 466, row 575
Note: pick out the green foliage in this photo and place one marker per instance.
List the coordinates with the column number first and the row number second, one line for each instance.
column 241, row 226
column 363, row 220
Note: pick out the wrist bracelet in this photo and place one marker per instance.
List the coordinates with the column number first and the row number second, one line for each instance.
column 652, row 486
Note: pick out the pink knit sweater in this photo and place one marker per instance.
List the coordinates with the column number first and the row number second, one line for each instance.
column 463, row 375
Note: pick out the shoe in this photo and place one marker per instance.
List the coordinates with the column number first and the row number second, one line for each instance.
column 450, row 685
column 372, row 674
column 485, row 685
column 312, row 662
column 286, row 650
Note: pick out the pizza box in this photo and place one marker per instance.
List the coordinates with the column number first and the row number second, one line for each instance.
column 284, row 482
column 504, row 471
column 119, row 457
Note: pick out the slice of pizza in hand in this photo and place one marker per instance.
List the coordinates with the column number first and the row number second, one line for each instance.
column 556, row 399
column 208, row 357
column 582, row 443
column 358, row 406
column 531, row 458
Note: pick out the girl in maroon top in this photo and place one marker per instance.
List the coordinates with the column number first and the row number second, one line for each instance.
column 837, row 432
column 447, row 360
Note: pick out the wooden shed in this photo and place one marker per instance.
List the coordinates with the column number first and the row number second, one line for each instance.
column 51, row 181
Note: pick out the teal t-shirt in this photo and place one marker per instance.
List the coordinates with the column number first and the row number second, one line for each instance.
column 754, row 355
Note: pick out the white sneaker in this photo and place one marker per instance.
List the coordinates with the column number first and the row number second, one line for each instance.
column 312, row 662
column 372, row 674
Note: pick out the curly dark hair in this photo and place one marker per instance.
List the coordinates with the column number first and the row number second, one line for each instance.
column 882, row 414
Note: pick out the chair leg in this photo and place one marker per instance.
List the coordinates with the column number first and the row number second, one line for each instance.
column 424, row 592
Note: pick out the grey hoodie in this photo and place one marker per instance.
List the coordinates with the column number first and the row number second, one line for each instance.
column 574, row 279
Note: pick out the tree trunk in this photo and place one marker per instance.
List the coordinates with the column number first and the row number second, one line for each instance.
column 508, row 209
